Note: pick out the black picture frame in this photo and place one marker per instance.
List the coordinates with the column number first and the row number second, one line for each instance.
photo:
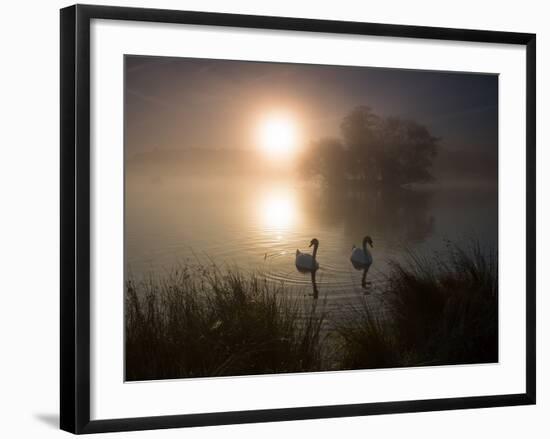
column 75, row 217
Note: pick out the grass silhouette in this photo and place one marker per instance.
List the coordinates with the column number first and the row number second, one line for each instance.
column 441, row 310
column 204, row 322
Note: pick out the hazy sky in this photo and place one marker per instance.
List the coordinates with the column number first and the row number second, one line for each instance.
column 176, row 103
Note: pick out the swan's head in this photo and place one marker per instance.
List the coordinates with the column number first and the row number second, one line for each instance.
column 314, row 242
column 367, row 240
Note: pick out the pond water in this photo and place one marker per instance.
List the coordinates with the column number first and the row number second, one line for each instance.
column 257, row 225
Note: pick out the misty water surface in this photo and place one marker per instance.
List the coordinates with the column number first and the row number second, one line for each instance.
column 256, row 224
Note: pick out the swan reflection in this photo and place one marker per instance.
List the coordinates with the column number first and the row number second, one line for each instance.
column 314, row 284
column 365, row 284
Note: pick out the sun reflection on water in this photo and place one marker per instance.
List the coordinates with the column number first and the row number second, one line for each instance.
column 278, row 210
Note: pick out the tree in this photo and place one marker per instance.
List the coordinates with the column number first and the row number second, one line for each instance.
column 375, row 151
column 327, row 159
column 360, row 130
column 407, row 152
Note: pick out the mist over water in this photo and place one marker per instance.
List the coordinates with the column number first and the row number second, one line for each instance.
column 256, row 224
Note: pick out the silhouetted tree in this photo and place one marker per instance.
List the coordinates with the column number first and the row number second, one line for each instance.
column 361, row 134
column 374, row 152
column 327, row 159
column 406, row 153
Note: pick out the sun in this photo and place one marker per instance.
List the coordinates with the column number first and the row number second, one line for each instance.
column 278, row 136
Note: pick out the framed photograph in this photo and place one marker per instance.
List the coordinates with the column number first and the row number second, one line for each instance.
column 268, row 218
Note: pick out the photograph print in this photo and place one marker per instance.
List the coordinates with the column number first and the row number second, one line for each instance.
column 289, row 218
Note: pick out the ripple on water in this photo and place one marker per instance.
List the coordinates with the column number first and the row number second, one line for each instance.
column 271, row 254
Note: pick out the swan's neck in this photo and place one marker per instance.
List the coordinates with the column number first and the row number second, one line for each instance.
column 315, row 250
column 366, row 249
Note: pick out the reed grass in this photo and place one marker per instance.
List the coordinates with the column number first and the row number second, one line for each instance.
column 440, row 310
column 201, row 322
column 366, row 340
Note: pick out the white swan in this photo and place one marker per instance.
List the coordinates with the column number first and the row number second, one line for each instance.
column 305, row 261
column 361, row 256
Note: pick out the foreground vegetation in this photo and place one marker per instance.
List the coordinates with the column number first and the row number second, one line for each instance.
column 439, row 310
column 204, row 322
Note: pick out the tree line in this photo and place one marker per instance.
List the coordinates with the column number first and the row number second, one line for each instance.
column 373, row 152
